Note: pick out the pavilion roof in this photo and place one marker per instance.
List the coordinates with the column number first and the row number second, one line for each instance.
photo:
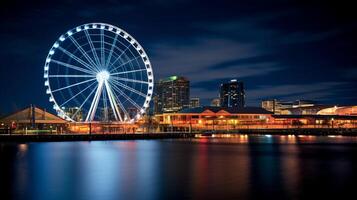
column 26, row 115
column 245, row 110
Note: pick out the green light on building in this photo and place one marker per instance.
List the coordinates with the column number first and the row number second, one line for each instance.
column 172, row 78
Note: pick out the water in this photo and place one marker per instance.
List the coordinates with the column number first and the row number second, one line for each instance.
column 241, row 167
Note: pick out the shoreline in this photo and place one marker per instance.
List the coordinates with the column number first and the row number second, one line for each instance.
column 91, row 137
column 172, row 135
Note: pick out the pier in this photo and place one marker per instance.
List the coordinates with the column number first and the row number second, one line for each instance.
column 167, row 135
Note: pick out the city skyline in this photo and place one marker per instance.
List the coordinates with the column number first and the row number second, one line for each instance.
column 281, row 50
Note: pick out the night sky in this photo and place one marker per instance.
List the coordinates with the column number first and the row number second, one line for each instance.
column 282, row 49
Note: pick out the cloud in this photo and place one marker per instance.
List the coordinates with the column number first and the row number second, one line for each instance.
column 197, row 55
column 256, row 29
column 237, row 71
column 209, row 59
column 305, row 37
column 204, row 93
column 317, row 91
column 350, row 73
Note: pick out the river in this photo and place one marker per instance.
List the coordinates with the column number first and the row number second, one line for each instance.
column 232, row 167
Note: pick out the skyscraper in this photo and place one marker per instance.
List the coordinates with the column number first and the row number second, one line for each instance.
column 194, row 102
column 172, row 94
column 232, row 94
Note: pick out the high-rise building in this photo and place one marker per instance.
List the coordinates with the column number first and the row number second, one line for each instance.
column 215, row 102
column 157, row 104
column 232, row 94
column 194, row 102
column 172, row 94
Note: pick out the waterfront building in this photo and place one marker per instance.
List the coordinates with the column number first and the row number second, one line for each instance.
column 284, row 107
column 32, row 120
column 232, row 94
column 269, row 105
column 276, row 106
column 213, row 118
column 194, row 102
column 172, row 94
column 305, row 110
column 210, row 118
column 215, row 102
column 339, row 110
column 303, row 103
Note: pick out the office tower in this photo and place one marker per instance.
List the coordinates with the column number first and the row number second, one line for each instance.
column 232, row 94
column 172, row 94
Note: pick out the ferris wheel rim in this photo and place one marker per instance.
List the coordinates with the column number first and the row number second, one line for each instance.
column 118, row 33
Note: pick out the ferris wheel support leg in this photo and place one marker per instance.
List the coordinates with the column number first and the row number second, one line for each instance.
column 94, row 105
column 112, row 102
column 126, row 114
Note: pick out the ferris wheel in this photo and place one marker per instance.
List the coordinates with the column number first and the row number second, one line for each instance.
column 98, row 72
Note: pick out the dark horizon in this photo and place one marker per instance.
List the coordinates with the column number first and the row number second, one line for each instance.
column 284, row 50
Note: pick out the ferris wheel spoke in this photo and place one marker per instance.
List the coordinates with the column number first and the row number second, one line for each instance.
column 126, row 97
column 131, row 60
column 71, row 76
column 111, row 50
column 94, row 104
column 72, row 67
column 80, row 92
column 92, row 47
column 84, row 53
column 77, row 59
column 112, row 102
column 128, row 72
column 128, row 88
column 102, row 47
column 122, row 53
column 130, row 80
column 72, row 85
column 80, row 107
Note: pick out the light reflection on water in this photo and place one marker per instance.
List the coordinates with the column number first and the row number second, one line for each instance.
column 230, row 167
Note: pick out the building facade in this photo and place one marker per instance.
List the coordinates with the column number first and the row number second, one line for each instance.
column 194, row 102
column 172, row 94
column 32, row 120
column 269, row 105
column 213, row 118
column 281, row 107
column 222, row 119
column 232, row 94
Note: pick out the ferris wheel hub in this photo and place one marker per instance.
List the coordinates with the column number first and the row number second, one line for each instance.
column 102, row 76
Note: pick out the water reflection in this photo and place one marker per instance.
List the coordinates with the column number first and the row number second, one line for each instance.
column 229, row 167
column 290, row 168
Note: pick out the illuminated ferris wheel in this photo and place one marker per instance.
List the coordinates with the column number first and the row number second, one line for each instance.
column 98, row 72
